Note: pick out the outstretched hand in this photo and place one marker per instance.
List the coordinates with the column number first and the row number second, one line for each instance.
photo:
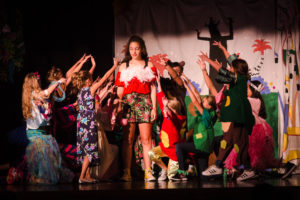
column 163, row 61
column 62, row 80
column 203, row 56
column 86, row 58
column 93, row 61
column 201, row 63
column 82, row 58
column 97, row 79
column 116, row 61
column 218, row 43
column 218, row 63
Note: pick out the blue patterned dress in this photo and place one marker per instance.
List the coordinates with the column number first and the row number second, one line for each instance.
column 43, row 157
column 87, row 135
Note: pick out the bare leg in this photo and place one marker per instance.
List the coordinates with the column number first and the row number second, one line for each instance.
column 146, row 139
column 85, row 166
column 161, row 164
column 127, row 145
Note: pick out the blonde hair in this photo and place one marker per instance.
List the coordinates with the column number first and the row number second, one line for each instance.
column 79, row 78
column 175, row 105
column 54, row 74
column 30, row 85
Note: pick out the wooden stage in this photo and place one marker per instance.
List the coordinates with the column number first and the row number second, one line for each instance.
column 267, row 188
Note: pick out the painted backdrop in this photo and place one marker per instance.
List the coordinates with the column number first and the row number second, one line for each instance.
column 264, row 33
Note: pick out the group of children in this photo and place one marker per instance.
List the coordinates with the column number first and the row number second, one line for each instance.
column 76, row 104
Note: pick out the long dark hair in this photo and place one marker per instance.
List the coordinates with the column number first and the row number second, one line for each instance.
column 241, row 67
column 141, row 42
column 256, row 94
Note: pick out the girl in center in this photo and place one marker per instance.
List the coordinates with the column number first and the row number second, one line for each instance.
column 136, row 86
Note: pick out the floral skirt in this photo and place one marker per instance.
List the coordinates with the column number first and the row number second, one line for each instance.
column 139, row 107
column 44, row 159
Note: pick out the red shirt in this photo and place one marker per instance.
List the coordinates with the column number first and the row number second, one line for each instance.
column 170, row 130
column 136, row 79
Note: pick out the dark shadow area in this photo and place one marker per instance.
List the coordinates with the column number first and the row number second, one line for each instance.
column 192, row 189
column 54, row 33
column 190, row 15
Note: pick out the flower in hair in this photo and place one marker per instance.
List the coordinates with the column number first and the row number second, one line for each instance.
column 37, row 75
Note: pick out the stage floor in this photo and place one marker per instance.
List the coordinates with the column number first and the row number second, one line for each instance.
column 263, row 188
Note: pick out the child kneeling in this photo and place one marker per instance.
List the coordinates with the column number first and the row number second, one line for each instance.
column 170, row 134
column 203, row 136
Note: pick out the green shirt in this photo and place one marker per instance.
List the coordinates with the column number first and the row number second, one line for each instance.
column 203, row 131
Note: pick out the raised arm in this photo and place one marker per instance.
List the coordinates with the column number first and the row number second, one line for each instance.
column 77, row 68
column 216, row 65
column 96, row 85
column 93, row 65
column 173, row 73
column 105, row 91
column 71, row 70
column 207, row 79
column 193, row 98
column 162, row 99
column 219, row 44
column 158, row 83
column 193, row 89
column 46, row 93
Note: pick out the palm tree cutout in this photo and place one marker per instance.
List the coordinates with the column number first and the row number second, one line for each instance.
column 261, row 46
column 214, row 51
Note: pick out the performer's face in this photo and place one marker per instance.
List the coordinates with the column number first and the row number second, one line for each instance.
column 177, row 70
column 135, row 50
column 205, row 103
column 89, row 82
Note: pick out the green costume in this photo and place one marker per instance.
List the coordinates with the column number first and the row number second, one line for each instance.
column 203, row 131
column 235, row 107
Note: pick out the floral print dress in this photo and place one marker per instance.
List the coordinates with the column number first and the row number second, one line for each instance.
column 87, row 136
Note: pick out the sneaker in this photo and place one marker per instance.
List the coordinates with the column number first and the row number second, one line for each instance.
column 162, row 175
column 289, row 168
column 126, row 176
column 247, row 174
column 148, row 176
column 179, row 177
column 85, row 181
column 213, row 170
column 281, row 171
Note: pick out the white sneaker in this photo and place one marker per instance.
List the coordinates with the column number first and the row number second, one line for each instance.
column 212, row 170
column 281, row 171
column 148, row 176
column 289, row 168
column 247, row 174
column 162, row 175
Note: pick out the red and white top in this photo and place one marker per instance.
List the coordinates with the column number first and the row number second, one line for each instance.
column 136, row 79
